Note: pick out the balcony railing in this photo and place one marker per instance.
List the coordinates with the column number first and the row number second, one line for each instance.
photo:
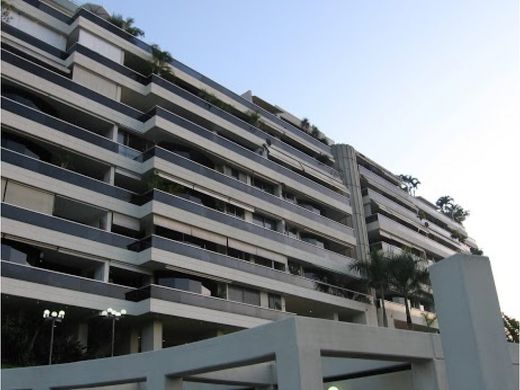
column 65, row 226
column 164, row 293
column 47, row 277
column 195, row 252
column 190, row 126
column 233, row 222
column 65, row 175
column 412, row 236
column 248, row 189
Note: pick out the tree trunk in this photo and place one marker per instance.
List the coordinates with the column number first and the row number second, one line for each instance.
column 385, row 318
column 408, row 315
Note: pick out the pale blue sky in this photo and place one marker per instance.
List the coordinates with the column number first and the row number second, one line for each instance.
column 428, row 88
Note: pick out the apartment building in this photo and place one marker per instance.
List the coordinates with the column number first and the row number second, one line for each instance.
column 388, row 218
column 198, row 211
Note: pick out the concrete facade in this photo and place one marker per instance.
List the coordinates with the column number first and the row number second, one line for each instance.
column 307, row 354
column 167, row 198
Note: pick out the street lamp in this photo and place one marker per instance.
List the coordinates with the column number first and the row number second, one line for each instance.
column 114, row 315
column 53, row 317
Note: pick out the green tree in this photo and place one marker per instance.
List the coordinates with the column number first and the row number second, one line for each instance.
column 407, row 277
column 126, row 24
column 459, row 214
column 305, row 124
column 160, row 63
column 511, row 328
column 409, row 183
column 444, row 204
column 476, row 251
column 375, row 273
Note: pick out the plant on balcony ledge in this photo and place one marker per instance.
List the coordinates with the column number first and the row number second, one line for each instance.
column 305, row 124
column 407, row 277
column 6, row 11
column 126, row 24
column 155, row 181
column 160, row 63
column 458, row 235
column 476, row 251
column 375, row 273
column 409, row 183
column 447, row 206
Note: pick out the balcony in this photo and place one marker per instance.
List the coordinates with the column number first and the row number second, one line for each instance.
column 284, row 127
column 249, row 194
column 198, row 300
column 392, row 229
column 65, row 175
column 225, row 147
column 185, row 211
column 62, row 126
column 384, row 185
column 65, row 226
column 137, row 118
column 389, row 206
column 61, row 280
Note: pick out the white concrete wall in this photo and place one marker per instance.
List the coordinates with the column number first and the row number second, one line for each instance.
column 38, row 30
column 100, row 45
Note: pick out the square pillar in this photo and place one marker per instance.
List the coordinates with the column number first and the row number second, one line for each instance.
column 152, row 336
column 162, row 382
column 429, row 375
column 470, row 323
column 299, row 368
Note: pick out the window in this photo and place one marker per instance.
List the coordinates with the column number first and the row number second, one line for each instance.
column 235, row 211
column 275, row 302
column 235, row 173
column 264, row 221
column 263, row 185
column 245, row 295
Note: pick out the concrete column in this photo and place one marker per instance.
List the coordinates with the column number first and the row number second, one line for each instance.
column 429, row 375
column 280, row 226
column 334, row 316
column 162, row 382
column 248, row 216
column 346, row 162
column 470, row 322
column 283, row 303
column 278, row 190
column 134, row 341
column 299, row 368
column 110, row 175
column 152, row 336
column 102, row 271
column 264, row 299
column 82, row 334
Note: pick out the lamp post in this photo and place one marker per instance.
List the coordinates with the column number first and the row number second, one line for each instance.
column 114, row 315
column 53, row 317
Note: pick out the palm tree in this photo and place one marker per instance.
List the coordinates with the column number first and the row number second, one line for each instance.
column 407, row 277
column 375, row 273
column 161, row 61
column 511, row 328
column 305, row 124
column 459, row 214
column 445, row 203
column 126, row 24
column 410, row 183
